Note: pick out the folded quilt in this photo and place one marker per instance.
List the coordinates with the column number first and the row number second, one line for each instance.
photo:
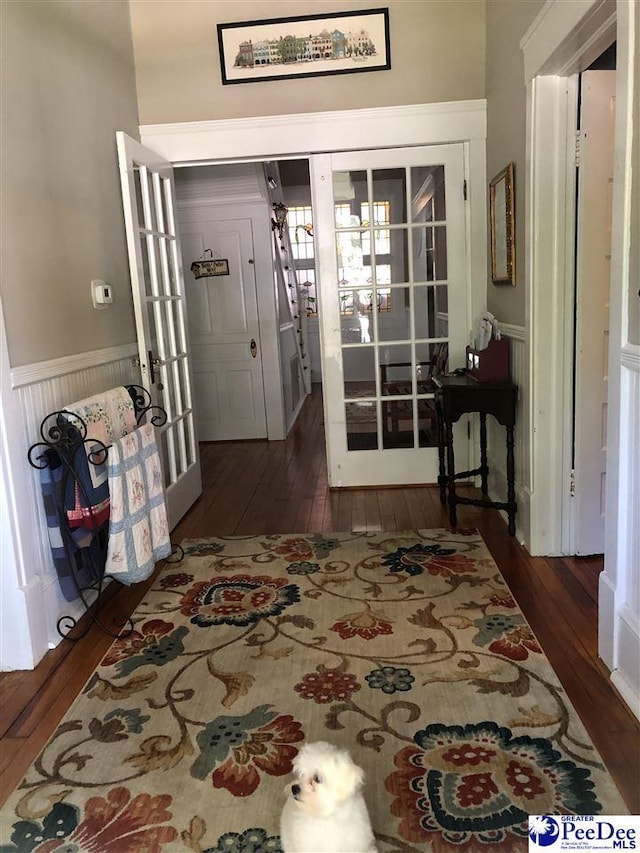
column 74, row 572
column 107, row 416
column 138, row 527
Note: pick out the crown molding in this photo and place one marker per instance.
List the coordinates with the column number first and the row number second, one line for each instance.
column 565, row 37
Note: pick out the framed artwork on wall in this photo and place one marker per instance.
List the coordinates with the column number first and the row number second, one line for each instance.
column 502, row 219
column 304, row 46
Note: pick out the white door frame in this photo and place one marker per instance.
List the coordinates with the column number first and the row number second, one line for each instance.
column 300, row 135
column 563, row 39
column 566, row 38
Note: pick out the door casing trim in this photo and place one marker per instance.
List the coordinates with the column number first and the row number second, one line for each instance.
column 301, row 135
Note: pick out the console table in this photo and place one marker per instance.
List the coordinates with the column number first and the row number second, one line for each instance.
column 459, row 395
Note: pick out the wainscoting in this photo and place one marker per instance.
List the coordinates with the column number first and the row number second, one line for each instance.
column 37, row 390
column 619, row 593
column 496, row 447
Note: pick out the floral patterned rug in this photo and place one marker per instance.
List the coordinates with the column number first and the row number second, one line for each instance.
column 407, row 648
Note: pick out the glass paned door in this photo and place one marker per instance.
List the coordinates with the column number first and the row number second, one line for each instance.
column 393, row 302
column 160, row 308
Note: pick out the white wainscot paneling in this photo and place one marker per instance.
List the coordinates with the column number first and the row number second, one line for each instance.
column 496, row 439
column 41, row 389
column 620, row 588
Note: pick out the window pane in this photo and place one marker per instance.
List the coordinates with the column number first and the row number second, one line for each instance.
column 428, row 194
column 399, row 258
column 431, row 360
column 137, row 185
column 359, row 372
column 382, row 238
column 351, row 269
column 425, row 312
column 357, row 322
column 430, row 253
column 423, row 254
column 348, row 188
column 397, row 423
column 144, row 253
column 307, row 290
column 390, row 185
column 427, row 430
column 394, row 323
column 442, row 310
column 395, row 370
column 362, row 427
column 383, row 274
column 300, row 224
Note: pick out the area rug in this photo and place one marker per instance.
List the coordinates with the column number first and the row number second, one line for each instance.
column 406, row 648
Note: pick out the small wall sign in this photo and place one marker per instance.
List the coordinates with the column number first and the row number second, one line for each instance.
column 206, row 267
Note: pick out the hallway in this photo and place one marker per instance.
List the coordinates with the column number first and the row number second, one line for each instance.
column 281, row 487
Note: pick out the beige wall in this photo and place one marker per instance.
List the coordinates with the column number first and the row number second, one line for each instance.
column 507, row 22
column 437, row 54
column 68, row 84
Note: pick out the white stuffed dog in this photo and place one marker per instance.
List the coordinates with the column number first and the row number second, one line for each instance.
column 325, row 811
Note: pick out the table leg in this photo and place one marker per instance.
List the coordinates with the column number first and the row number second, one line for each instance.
column 484, row 468
column 511, row 492
column 451, row 474
column 442, row 472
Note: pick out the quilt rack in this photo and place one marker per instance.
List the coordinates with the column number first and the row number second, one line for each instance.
column 80, row 555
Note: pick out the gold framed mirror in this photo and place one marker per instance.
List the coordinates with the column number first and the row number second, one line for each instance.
column 501, row 211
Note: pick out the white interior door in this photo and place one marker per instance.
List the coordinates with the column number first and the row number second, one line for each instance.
column 393, row 307
column 593, row 269
column 157, row 284
column 224, row 332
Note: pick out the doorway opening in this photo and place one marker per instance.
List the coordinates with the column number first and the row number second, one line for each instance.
column 251, row 351
column 593, row 219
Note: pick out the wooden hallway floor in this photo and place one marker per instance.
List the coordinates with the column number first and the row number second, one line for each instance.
column 281, row 487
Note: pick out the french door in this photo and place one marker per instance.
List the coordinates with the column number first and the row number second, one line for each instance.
column 157, row 284
column 393, row 309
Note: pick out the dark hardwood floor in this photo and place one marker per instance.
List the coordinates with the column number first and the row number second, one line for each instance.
column 281, row 487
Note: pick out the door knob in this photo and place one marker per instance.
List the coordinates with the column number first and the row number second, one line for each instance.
column 254, row 348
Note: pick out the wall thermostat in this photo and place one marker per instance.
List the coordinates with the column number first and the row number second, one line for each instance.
column 101, row 294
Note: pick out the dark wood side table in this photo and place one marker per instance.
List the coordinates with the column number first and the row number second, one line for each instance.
column 459, row 395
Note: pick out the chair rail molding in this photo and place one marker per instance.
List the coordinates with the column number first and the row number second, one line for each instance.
column 40, row 371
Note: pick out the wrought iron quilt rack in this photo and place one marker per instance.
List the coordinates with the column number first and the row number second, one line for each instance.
column 63, row 436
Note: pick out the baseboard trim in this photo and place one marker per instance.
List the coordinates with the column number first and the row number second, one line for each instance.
column 30, row 374
column 606, row 619
column 624, row 688
column 626, row 675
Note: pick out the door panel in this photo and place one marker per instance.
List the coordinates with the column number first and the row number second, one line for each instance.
column 395, row 261
column 159, row 302
column 223, row 324
column 593, row 268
